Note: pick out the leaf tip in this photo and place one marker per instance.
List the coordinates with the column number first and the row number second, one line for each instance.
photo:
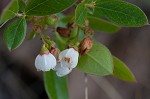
column 10, row 49
column 133, row 79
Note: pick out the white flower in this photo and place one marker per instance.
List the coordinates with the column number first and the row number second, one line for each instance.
column 69, row 58
column 45, row 62
column 62, row 71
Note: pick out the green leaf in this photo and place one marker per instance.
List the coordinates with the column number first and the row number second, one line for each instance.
column 102, row 25
column 10, row 11
column 47, row 7
column 56, row 87
column 15, row 33
column 120, row 12
column 80, row 14
column 22, row 5
column 97, row 61
column 122, row 72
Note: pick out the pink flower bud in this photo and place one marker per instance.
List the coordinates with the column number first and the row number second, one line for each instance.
column 37, row 28
column 55, row 51
column 88, row 31
column 85, row 45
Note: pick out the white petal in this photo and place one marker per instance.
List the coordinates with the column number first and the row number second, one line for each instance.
column 73, row 55
column 62, row 71
column 65, row 64
column 45, row 62
column 52, row 62
column 62, row 54
column 71, row 52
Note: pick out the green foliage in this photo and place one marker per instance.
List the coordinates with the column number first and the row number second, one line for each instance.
column 10, row 11
column 120, row 12
column 96, row 24
column 47, row 7
column 122, row 72
column 102, row 25
column 2, row 24
column 80, row 14
column 97, row 61
column 56, row 87
column 15, row 33
column 22, row 5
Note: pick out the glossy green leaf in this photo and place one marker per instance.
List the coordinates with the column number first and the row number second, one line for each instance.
column 56, row 87
column 22, row 5
column 10, row 11
column 120, row 12
column 80, row 14
column 122, row 72
column 15, row 33
column 97, row 61
column 102, row 25
column 47, row 7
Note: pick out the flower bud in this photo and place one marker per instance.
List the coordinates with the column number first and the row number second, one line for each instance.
column 88, row 31
column 37, row 28
column 45, row 60
column 51, row 20
column 36, row 19
column 55, row 52
column 40, row 21
column 85, row 45
column 64, row 32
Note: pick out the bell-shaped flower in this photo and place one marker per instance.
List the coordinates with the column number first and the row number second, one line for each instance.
column 69, row 58
column 62, row 71
column 45, row 60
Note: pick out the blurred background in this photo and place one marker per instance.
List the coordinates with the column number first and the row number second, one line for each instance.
column 20, row 80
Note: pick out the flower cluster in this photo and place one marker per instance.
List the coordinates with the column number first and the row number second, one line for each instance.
column 62, row 62
column 47, row 60
column 50, row 57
